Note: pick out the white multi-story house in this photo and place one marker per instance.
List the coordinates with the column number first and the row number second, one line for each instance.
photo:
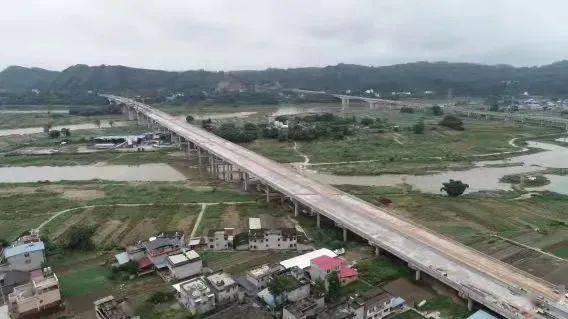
column 272, row 239
column 184, row 265
column 196, row 295
column 36, row 296
column 220, row 239
column 224, row 287
column 25, row 256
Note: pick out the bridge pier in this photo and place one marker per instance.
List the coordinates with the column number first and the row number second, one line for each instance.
column 417, row 275
column 469, row 304
column 344, row 101
column 344, row 234
column 245, row 181
column 296, row 208
column 318, row 220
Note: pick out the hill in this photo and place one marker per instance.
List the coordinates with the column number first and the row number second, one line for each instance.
column 461, row 78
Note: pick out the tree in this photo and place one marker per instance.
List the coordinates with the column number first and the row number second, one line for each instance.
column 454, row 188
column 437, row 110
column 97, row 123
column 452, row 122
column 281, row 284
column 334, row 286
column 406, row 109
column 319, row 288
column 111, row 123
column 66, row 132
column 418, row 128
column 79, row 238
column 367, row 121
column 189, row 119
column 54, row 134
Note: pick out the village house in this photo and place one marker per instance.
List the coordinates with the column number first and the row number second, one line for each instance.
column 303, row 309
column 272, row 239
column 374, row 304
column 322, row 266
column 202, row 294
column 196, row 295
column 295, row 286
column 220, row 239
column 184, row 265
column 36, row 296
column 25, row 254
column 260, row 276
column 111, row 308
column 10, row 279
column 153, row 254
column 224, row 287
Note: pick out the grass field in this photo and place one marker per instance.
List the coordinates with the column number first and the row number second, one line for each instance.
column 402, row 151
column 447, row 308
column 236, row 216
column 25, row 206
column 21, row 120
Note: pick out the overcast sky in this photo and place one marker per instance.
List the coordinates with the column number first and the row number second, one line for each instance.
column 238, row 34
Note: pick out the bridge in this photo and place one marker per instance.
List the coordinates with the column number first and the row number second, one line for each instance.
column 474, row 275
column 520, row 118
column 373, row 101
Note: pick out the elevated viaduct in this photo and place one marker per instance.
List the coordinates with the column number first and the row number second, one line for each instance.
column 476, row 276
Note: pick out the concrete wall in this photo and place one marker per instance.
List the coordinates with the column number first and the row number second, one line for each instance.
column 28, row 261
column 272, row 242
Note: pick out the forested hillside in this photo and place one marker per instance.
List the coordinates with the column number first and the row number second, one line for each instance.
column 461, row 78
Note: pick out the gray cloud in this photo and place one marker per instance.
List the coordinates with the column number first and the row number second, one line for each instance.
column 217, row 34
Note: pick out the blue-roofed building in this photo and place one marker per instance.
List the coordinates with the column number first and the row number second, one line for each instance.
column 480, row 314
column 25, row 256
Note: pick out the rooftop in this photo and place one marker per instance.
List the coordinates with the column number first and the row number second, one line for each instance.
column 303, row 261
column 23, row 248
column 254, row 223
column 197, row 288
column 327, row 263
column 220, row 280
column 260, row 271
column 185, row 257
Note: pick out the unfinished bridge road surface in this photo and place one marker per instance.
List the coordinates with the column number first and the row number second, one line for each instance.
column 476, row 276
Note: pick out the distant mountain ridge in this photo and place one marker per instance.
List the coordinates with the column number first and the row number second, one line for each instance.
column 461, row 78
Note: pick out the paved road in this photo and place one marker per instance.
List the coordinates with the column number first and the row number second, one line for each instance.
column 499, row 286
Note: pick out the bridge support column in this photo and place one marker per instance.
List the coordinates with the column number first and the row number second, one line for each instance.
column 296, row 208
column 344, row 234
column 245, row 181
column 199, row 158
column 469, row 304
column 417, row 275
column 318, row 219
column 267, row 190
column 377, row 251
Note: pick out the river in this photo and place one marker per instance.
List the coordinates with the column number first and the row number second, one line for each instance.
column 143, row 172
column 482, row 177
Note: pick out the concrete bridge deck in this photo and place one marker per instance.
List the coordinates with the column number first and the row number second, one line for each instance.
column 476, row 276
